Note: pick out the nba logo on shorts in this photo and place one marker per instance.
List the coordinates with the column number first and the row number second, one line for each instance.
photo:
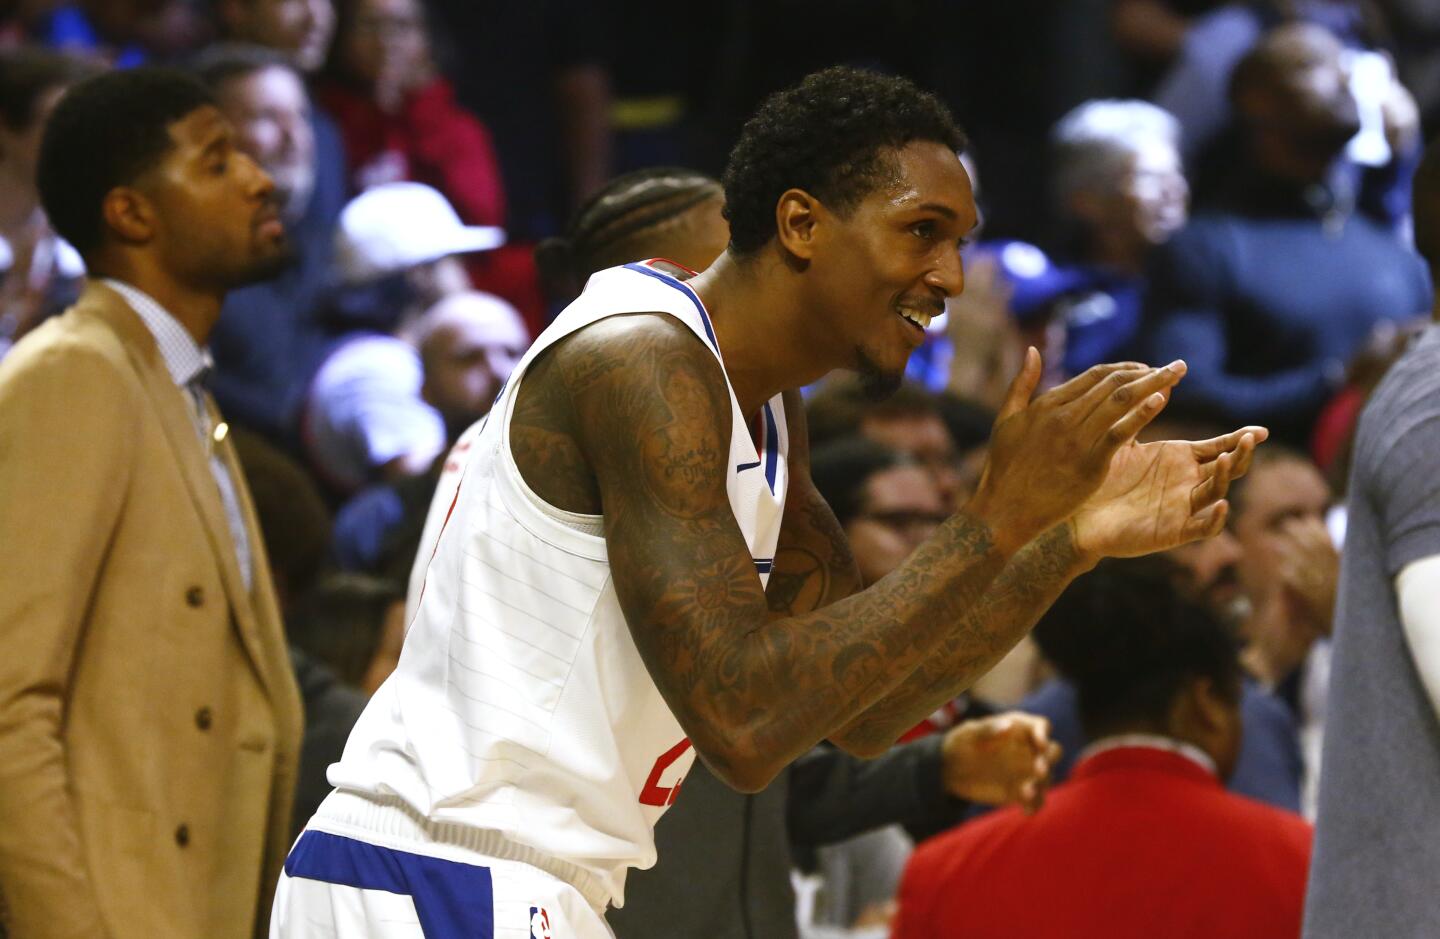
column 539, row 923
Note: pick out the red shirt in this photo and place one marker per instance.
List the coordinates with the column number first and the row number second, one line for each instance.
column 1140, row 843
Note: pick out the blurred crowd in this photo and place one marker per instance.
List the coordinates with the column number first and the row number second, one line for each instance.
column 1223, row 182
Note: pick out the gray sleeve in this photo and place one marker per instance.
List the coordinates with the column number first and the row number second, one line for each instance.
column 1405, row 488
column 834, row 796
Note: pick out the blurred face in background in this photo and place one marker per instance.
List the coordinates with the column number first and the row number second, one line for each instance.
column 1211, row 573
column 301, row 29
column 901, row 508
column 470, row 348
column 1146, row 200
column 1276, row 495
column 1155, row 193
column 385, row 43
column 270, row 110
column 925, row 439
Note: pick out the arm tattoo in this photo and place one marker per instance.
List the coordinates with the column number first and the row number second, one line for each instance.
column 1008, row 610
column 752, row 692
column 813, row 564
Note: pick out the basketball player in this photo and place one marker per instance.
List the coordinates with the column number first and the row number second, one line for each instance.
column 592, row 610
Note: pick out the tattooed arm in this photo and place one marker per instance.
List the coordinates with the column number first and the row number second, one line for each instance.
column 813, row 564
column 652, row 419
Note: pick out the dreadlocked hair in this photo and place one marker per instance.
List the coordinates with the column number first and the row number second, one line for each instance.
column 619, row 224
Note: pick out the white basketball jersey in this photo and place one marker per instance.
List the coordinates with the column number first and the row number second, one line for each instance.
column 520, row 705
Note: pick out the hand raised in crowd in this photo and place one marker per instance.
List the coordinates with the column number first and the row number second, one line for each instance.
column 999, row 760
column 1309, row 571
column 1163, row 494
column 1276, row 639
column 982, row 333
column 1050, row 454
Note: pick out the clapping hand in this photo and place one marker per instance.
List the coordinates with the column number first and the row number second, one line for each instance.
column 1163, row 494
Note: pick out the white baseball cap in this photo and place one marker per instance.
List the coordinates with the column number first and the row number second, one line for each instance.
column 394, row 226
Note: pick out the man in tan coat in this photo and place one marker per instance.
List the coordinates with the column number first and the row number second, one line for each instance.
column 149, row 721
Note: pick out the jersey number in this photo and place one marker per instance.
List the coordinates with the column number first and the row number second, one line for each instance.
column 654, row 793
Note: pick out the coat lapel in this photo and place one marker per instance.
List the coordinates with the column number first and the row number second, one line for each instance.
column 185, row 445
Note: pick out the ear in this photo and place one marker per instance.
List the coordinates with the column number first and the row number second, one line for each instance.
column 1205, row 706
column 130, row 214
column 796, row 215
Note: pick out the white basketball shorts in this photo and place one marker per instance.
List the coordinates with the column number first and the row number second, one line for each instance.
column 335, row 887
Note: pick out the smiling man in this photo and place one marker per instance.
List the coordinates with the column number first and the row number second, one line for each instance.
column 149, row 720
column 594, row 612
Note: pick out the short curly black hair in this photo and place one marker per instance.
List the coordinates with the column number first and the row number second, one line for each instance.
column 829, row 136
column 106, row 132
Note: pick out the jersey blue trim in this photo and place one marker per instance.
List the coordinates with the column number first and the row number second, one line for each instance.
column 763, row 565
column 669, row 281
column 772, row 447
column 742, row 467
column 453, row 900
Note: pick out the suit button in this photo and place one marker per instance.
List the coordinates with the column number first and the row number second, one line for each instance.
column 203, row 718
column 195, row 596
column 182, row 835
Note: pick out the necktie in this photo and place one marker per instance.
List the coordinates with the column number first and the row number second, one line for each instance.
column 212, row 433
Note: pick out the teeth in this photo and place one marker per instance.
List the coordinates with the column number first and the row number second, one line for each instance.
column 919, row 319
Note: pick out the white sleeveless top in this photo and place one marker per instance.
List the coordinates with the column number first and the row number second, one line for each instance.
column 521, row 712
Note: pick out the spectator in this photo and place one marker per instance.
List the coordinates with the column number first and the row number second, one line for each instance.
column 41, row 271
column 909, row 421
column 887, row 503
column 1290, row 570
column 379, row 404
column 1121, row 191
column 1378, row 830
column 1142, row 841
column 1269, row 297
column 149, row 721
column 270, row 338
column 400, row 121
column 301, row 30
column 469, row 344
column 382, row 408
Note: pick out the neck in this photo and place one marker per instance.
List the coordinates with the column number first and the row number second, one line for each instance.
column 1278, row 158
column 1154, row 740
column 196, row 309
column 761, row 324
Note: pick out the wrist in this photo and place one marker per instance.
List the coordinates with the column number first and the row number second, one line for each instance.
column 1007, row 534
column 1078, row 559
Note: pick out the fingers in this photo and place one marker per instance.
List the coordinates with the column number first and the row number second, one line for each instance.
column 1121, row 392
column 1207, row 522
column 1206, row 450
column 1219, row 474
column 1018, row 397
column 1081, row 384
column 1128, row 427
column 1224, row 469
